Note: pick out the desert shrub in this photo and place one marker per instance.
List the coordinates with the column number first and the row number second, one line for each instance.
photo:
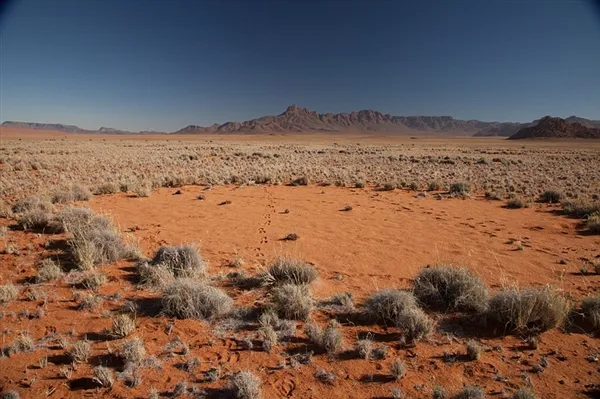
column 593, row 223
column 325, row 377
column 76, row 219
column 292, row 301
column 5, row 209
column 132, row 351
column 434, row 186
column 537, row 309
column 181, row 261
column 473, row 350
column 68, row 195
column 363, row 348
column 450, row 288
column 517, row 203
column 35, row 219
column 10, row 395
column 291, row 271
column 80, row 351
column 143, row 190
column 8, row 293
column 94, row 281
column 580, row 209
column 23, row 343
column 284, row 329
column 269, row 337
column 32, row 203
column 122, row 326
column 190, row 299
column 48, row 271
column 460, row 188
column 524, row 393
column 344, row 300
column 329, row 340
column 400, row 309
column 470, row 392
column 439, row 392
column 97, row 247
column 397, row 369
column 551, row 196
column 300, row 181
column 103, row 376
column 154, row 275
column 245, row 385
column 591, row 310
column 90, row 302
column 106, row 188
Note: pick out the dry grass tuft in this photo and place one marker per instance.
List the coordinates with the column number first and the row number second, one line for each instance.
column 400, row 309
column 245, row 385
column 538, row 309
column 48, row 271
column 190, row 299
column 103, row 376
column 132, row 351
column 397, row 369
column 122, row 326
column 593, row 223
column 291, row 271
column 80, row 351
column 329, row 340
column 182, row 261
column 551, row 196
column 470, row 392
column 473, row 350
column 590, row 307
column 8, row 293
column 524, row 393
column 293, row 302
column 450, row 288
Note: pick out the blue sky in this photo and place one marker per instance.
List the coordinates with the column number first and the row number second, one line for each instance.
column 161, row 65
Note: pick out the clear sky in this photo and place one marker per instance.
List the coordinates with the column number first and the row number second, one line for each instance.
column 161, row 65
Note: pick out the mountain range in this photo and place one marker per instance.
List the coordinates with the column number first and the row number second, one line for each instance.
column 299, row 120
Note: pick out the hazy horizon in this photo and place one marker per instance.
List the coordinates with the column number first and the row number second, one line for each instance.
column 157, row 65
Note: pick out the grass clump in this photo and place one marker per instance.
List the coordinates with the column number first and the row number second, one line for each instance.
column 8, row 293
column 524, row 393
column 580, row 209
column 473, row 350
column 397, row 369
column 80, row 351
column 190, row 299
column 245, row 385
column 35, row 219
column 329, row 340
column 400, row 309
column 103, row 376
column 450, row 288
column 590, row 307
column 122, row 326
column 593, row 223
column 48, row 271
column 291, row 271
column 551, row 196
column 470, row 392
column 292, row 302
column 132, row 351
column 32, row 203
column 182, row 261
column 10, row 395
column 537, row 309
column 517, row 203
column 68, row 195
column 94, row 281
column 460, row 188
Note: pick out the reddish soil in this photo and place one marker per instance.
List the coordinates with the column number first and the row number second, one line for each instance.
column 382, row 242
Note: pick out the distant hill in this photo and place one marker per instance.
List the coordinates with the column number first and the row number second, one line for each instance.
column 301, row 120
column 298, row 120
column 549, row 127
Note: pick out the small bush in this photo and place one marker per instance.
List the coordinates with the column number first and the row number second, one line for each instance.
column 122, row 326
column 80, row 351
column 189, row 299
column 106, row 188
column 434, row 186
column 470, row 392
column 397, row 369
column 32, row 203
column 517, row 203
column 400, row 309
column 36, row 219
column 245, row 385
column 460, row 188
column 182, row 261
column 580, row 209
column 325, row 377
column 103, row 376
column 551, row 196
column 473, row 350
column 292, row 301
column 300, row 181
column 8, row 293
column 269, row 337
column 593, row 223
column 68, row 195
column 591, row 310
column 291, row 271
column 10, row 395
column 94, row 281
column 524, row 393
column 363, row 348
column 142, row 190
column 132, row 351
column 329, row 340
column 48, row 271
column 89, row 302
column 450, row 288
column 154, row 275
column 532, row 309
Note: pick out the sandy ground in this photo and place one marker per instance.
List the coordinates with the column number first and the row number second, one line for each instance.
column 382, row 242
